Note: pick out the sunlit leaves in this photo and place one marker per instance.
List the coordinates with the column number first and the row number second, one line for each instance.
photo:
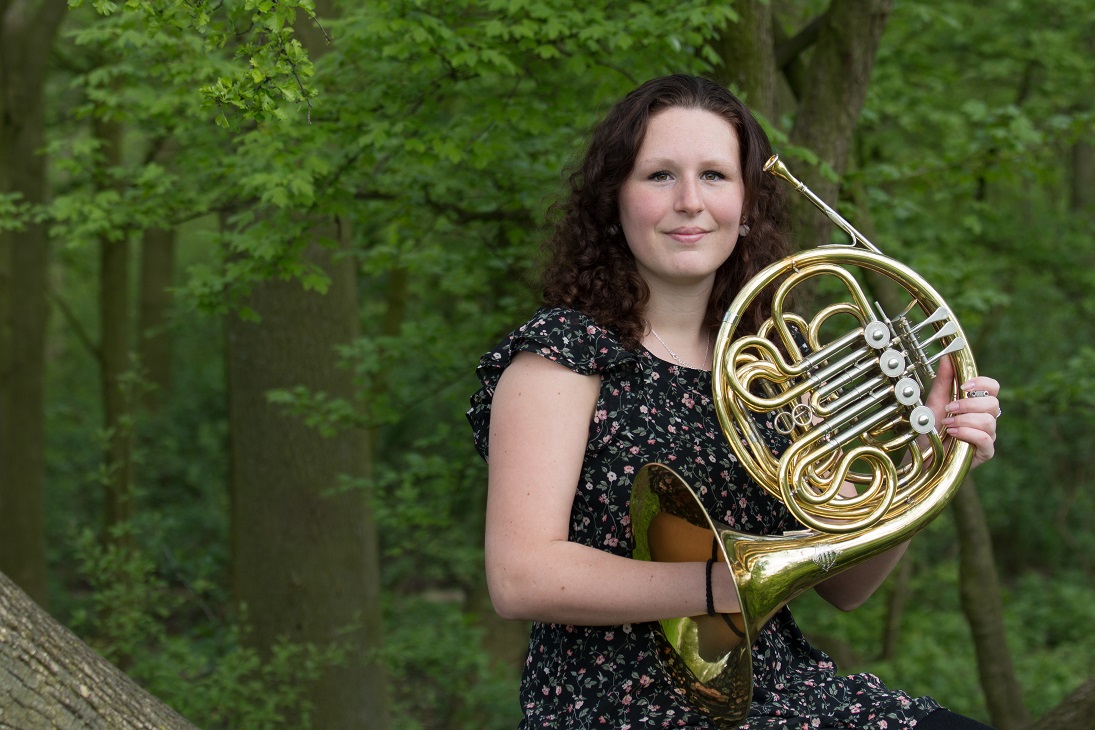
column 449, row 112
column 272, row 68
column 13, row 212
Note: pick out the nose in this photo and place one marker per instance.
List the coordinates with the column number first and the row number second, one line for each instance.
column 689, row 198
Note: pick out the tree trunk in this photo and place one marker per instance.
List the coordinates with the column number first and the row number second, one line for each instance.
column 27, row 30
column 117, row 389
column 1082, row 196
column 895, row 608
column 830, row 104
column 789, row 54
column 51, row 679
column 395, row 311
column 305, row 559
column 831, row 101
column 154, row 342
column 980, row 593
column 157, row 276
column 748, row 56
column 1073, row 713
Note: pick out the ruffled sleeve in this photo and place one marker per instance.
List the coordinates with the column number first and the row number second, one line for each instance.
column 562, row 335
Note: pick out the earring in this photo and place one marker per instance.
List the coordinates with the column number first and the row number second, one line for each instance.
column 613, row 229
column 743, row 230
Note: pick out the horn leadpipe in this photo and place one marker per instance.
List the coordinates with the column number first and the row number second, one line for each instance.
column 775, row 167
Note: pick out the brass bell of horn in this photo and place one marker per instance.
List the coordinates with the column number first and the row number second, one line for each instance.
column 846, row 389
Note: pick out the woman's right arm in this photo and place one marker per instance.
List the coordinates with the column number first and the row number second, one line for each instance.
column 540, row 418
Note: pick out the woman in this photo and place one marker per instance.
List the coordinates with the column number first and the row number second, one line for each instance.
column 669, row 213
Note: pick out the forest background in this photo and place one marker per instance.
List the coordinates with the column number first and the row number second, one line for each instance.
column 251, row 251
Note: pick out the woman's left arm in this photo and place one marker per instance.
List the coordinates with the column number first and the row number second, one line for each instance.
column 969, row 419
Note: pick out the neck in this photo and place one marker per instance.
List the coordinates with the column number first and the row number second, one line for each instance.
column 681, row 335
column 676, row 311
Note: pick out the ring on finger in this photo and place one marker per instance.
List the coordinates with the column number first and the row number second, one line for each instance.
column 977, row 393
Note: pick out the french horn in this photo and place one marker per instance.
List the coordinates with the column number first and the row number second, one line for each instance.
column 846, row 389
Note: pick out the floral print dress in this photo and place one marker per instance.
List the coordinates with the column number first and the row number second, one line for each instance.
column 650, row 410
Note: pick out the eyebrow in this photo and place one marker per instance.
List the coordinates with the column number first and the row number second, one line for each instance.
column 667, row 162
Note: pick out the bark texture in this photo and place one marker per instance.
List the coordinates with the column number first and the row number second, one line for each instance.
column 1073, row 713
column 305, row 555
column 831, row 100
column 51, row 679
column 748, row 56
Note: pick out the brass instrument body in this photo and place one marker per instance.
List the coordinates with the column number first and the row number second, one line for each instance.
column 852, row 409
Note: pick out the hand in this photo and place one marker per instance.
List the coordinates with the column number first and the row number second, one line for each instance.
column 969, row 419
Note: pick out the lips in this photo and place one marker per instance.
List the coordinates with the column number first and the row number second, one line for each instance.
column 687, row 234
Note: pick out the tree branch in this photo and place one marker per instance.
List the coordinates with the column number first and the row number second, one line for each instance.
column 788, row 50
column 78, row 329
column 49, row 678
column 1073, row 713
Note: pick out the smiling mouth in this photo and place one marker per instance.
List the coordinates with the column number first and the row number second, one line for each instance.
column 687, row 235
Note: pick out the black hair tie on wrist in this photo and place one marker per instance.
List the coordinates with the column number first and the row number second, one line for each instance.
column 711, row 598
column 738, row 632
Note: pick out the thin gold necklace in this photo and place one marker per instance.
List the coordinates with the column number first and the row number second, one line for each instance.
column 672, row 354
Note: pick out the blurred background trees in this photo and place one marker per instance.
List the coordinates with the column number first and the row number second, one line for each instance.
column 280, row 234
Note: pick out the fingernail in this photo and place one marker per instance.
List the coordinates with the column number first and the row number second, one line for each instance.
column 948, row 421
column 952, row 406
column 952, row 431
column 968, row 385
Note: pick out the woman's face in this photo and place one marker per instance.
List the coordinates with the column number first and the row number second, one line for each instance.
column 681, row 206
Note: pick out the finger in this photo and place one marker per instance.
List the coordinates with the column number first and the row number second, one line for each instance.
column 984, row 422
column 987, row 404
column 982, row 383
column 942, row 386
column 981, row 441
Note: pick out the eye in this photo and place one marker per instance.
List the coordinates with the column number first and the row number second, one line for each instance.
column 712, row 175
column 659, row 176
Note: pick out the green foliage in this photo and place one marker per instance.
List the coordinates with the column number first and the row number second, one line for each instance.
column 121, row 580
column 965, row 149
column 13, row 212
column 1046, row 618
column 248, row 690
column 430, row 511
column 430, row 136
column 384, row 109
column 212, row 678
column 1068, row 390
column 433, row 133
column 442, row 676
column 272, row 66
column 321, row 411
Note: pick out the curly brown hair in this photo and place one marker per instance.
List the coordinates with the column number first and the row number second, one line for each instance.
column 589, row 264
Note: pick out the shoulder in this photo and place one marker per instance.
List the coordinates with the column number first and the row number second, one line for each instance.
column 560, row 335
column 566, row 336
